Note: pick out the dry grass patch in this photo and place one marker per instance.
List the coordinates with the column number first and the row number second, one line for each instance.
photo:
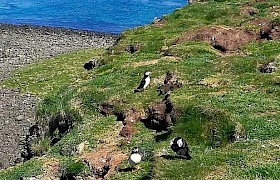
column 152, row 62
column 267, row 113
column 218, row 172
column 213, row 82
column 142, row 63
column 217, row 93
column 171, row 58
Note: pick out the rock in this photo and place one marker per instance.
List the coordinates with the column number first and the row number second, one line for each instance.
column 20, row 118
column 267, row 68
column 132, row 48
column 16, row 116
column 80, row 148
column 22, row 45
column 27, row 44
column 161, row 115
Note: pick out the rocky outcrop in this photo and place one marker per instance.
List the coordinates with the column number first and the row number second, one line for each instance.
column 19, row 46
column 17, row 114
column 160, row 115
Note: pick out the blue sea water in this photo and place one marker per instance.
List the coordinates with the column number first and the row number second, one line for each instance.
column 111, row 16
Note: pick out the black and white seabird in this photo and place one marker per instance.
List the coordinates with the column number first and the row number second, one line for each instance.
column 135, row 158
column 180, row 147
column 89, row 65
column 144, row 82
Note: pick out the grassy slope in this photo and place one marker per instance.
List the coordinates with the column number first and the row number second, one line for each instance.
column 249, row 98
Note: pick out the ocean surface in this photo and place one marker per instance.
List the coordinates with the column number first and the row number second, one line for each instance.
column 111, row 16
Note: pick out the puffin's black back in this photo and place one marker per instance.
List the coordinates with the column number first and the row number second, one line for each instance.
column 183, row 150
column 142, row 83
column 89, row 65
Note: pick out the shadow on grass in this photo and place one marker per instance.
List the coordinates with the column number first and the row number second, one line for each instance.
column 174, row 157
column 162, row 136
column 128, row 169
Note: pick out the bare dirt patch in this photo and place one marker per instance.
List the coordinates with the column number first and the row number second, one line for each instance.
column 159, row 23
column 266, row 29
column 51, row 168
column 104, row 160
column 220, row 37
column 170, row 83
column 106, row 108
column 129, row 119
column 275, row 33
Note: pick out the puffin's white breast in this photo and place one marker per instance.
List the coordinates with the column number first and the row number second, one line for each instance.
column 147, row 82
column 134, row 159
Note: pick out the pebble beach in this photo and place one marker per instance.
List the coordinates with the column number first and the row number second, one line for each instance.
column 21, row 45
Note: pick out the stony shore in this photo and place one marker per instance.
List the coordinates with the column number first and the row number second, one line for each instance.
column 22, row 45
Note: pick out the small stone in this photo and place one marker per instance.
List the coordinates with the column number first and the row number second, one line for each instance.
column 81, row 147
column 90, row 178
column 20, row 118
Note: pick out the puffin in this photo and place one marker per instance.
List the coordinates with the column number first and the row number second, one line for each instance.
column 89, row 65
column 134, row 158
column 180, row 147
column 144, row 82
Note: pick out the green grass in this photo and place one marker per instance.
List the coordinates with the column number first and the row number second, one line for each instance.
column 50, row 75
column 28, row 169
column 219, row 91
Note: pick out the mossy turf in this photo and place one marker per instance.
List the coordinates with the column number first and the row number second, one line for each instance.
column 221, row 89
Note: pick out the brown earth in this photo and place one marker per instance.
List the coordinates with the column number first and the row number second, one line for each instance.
column 160, row 115
column 220, row 37
column 129, row 119
column 170, row 83
column 248, row 11
column 104, row 160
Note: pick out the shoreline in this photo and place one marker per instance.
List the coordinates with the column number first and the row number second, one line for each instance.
column 21, row 45
column 25, row 44
column 56, row 29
